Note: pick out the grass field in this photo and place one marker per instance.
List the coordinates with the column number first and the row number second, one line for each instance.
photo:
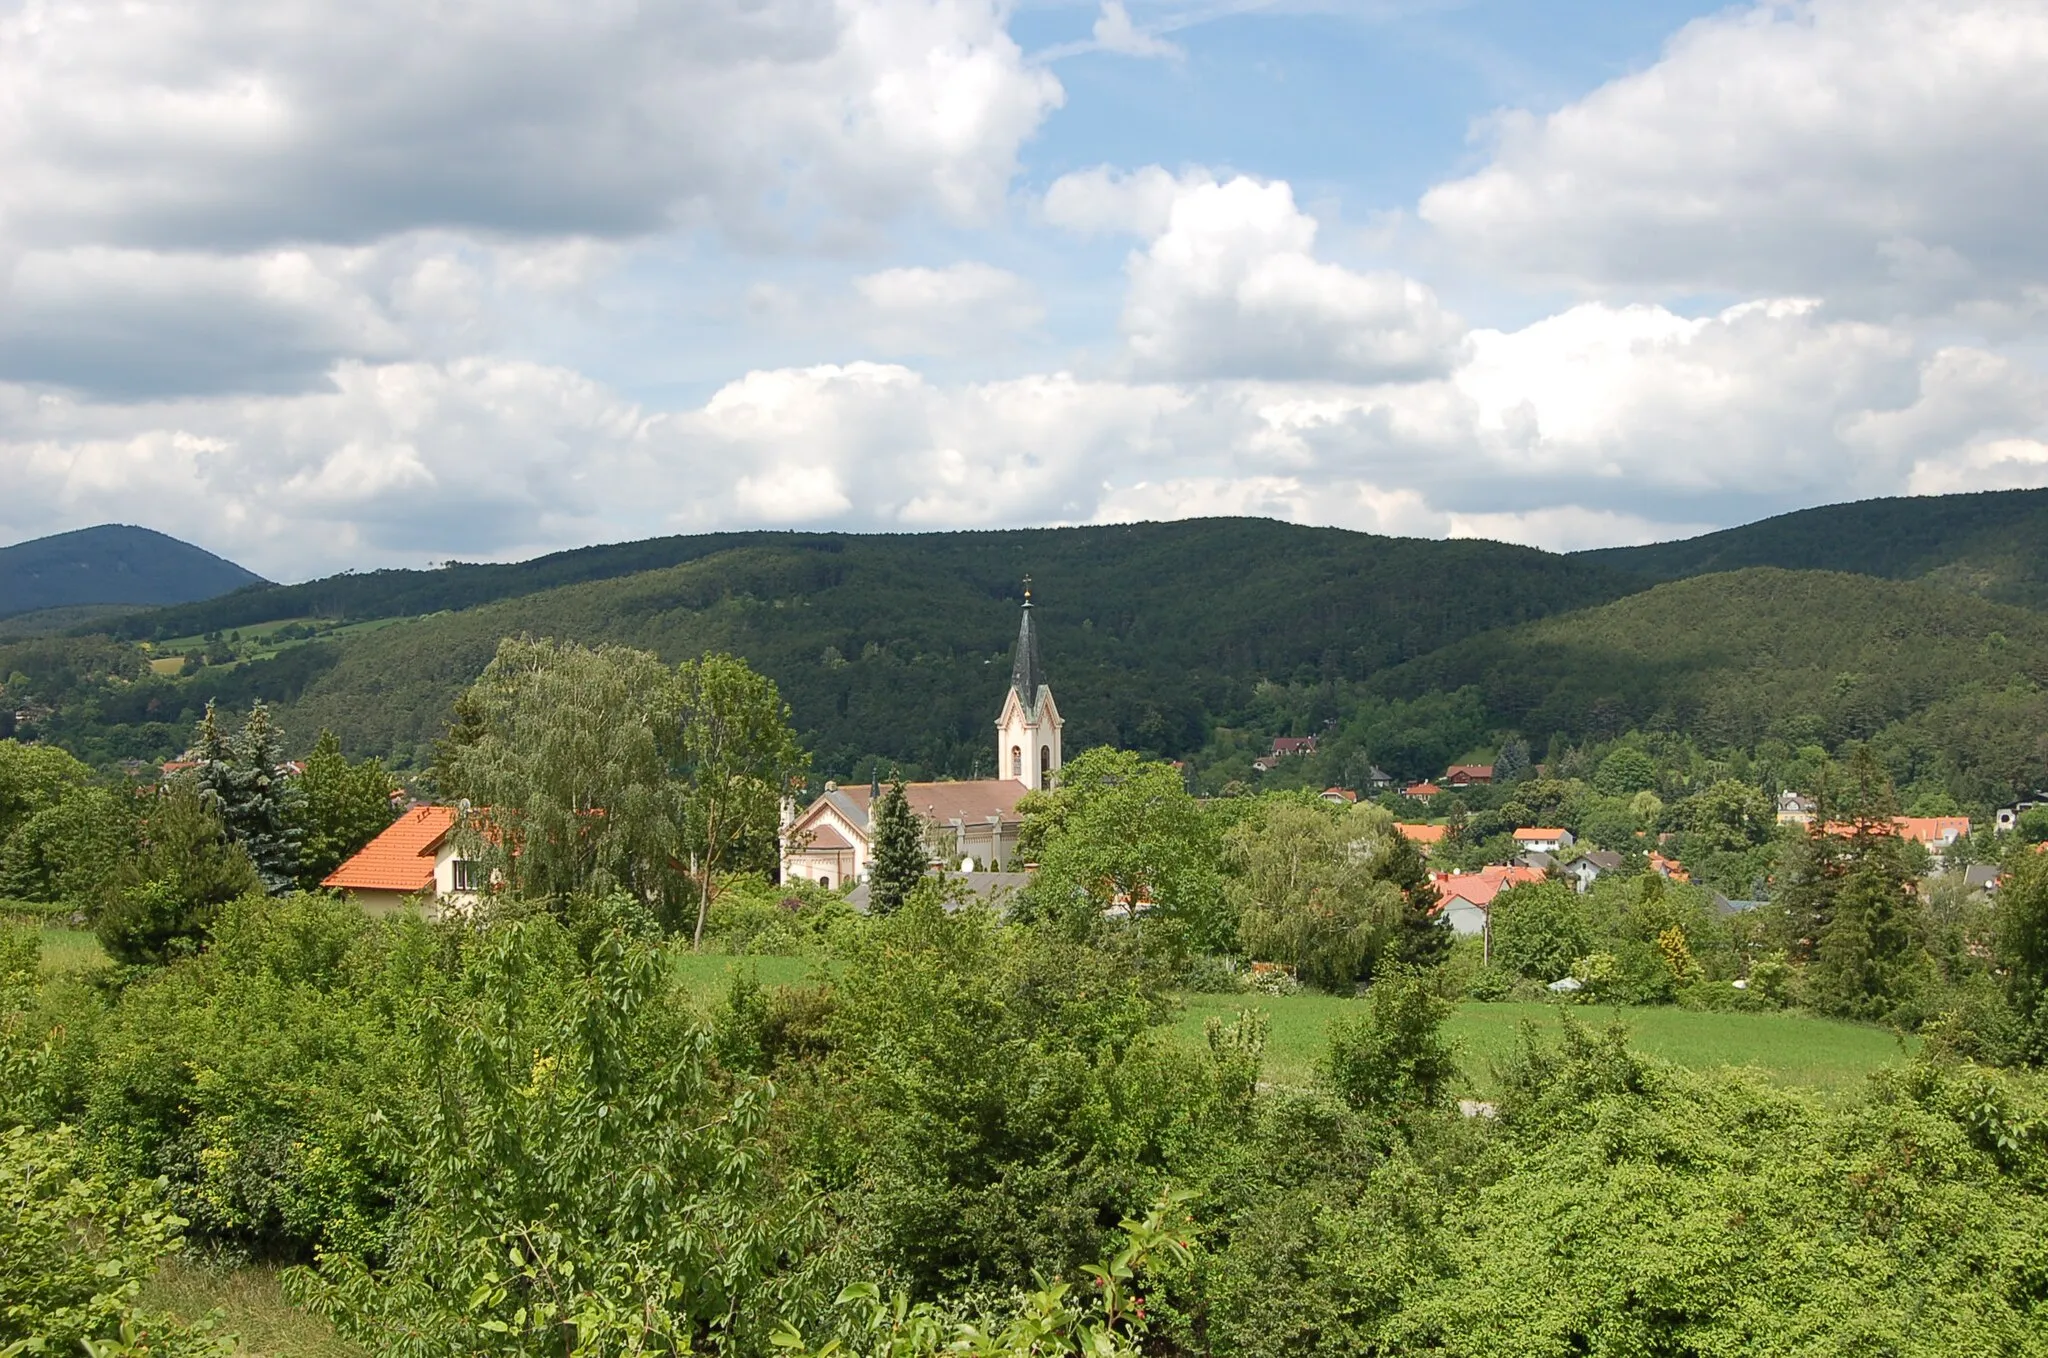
column 251, row 1306
column 707, row 976
column 1789, row 1049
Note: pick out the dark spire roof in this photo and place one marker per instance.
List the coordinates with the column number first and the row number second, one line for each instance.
column 1026, row 676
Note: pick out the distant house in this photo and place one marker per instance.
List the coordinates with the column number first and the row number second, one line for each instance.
column 1339, row 796
column 414, row 861
column 1465, row 899
column 1544, row 839
column 830, row 842
column 1378, row 780
column 994, row 889
column 1422, row 836
column 1465, row 775
column 1584, row 870
column 1287, row 747
column 2008, row 817
column 1266, row 763
column 1936, row 832
column 1421, row 792
column 1794, row 809
column 1669, row 868
column 1981, row 876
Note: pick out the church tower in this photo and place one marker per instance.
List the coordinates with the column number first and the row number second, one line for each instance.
column 1028, row 732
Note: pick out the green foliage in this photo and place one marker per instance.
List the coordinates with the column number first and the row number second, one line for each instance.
column 339, row 808
column 1121, row 834
column 2023, row 946
column 1307, row 889
column 1626, row 771
column 1393, row 1058
column 579, row 1180
column 75, row 1250
column 899, row 858
column 1538, row 931
column 243, row 782
column 166, row 892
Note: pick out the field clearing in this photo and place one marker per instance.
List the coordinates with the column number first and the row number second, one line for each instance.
column 1790, row 1049
column 706, row 977
column 252, row 1307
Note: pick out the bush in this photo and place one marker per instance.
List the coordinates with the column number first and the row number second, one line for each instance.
column 1392, row 1057
column 1538, row 930
column 1209, row 974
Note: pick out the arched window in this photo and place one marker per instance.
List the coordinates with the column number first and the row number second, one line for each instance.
column 1016, row 761
column 825, row 882
column 1045, row 766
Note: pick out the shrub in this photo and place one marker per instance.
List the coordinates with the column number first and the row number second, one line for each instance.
column 1538, row 930
column 1393, row 1056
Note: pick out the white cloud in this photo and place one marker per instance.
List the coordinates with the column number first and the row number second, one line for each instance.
column 195, row 124
column 1229, row 285
column 1880, row 152
column 1114, row 32
column 934, row 311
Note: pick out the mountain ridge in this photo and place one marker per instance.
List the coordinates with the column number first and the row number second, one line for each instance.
column 112, row 564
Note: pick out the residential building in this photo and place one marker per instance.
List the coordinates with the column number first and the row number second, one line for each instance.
column 1794, row 809
column 1421, row 792
column 1339, row 796
column 1584, row 870
column 1466, row 898
column 1287, row 747
column 1544, row 839
column 414, row 862
column 1377, row 780
column 1465, row 775
column 1422, row 836
column 830, row 843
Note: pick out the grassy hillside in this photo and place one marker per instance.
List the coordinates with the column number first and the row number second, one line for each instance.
column 111, row 564
column 899, row 646
column 1736, row 658
column 1994, row 544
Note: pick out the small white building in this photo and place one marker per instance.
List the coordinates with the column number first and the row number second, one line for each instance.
column 1543, row 839
column 414, row 862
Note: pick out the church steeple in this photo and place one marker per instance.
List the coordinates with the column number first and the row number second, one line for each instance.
column 1028, row 731
column 1026, row 677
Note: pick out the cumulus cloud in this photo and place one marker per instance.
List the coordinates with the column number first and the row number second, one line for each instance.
column 1884, row 153
column 198, row 125
column 933, row 311
column 1229, row 286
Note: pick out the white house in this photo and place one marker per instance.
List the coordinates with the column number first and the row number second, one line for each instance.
column 415, row 861
column 1543, row 839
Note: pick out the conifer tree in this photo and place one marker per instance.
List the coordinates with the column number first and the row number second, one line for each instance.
column 339, row 808
column 239, row 777
column 1425, row 935
column 899, row 860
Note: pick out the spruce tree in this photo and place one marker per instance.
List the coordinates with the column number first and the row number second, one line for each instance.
column 1425, row 936
column 240, row 779
column 899, row 860
column 339, row 808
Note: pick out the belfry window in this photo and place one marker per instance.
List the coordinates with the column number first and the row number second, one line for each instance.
column 1016, row 761
column 1045, row 766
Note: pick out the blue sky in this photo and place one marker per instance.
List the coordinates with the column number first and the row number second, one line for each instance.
column 380, row 284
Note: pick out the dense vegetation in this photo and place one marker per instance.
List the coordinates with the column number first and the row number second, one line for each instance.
column 517, row 1130
column 111, row 564
column 1991, row 543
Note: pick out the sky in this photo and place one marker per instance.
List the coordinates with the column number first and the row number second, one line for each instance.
column 325, row 286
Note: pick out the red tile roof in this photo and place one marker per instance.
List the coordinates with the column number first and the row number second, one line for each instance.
column 1538, row 832
column 1482, row 886
column 1422, row 834
column 1471, row 773
column 1420, row 790
column 402, row 858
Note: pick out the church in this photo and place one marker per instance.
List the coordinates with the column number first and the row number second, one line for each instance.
column 829, row 842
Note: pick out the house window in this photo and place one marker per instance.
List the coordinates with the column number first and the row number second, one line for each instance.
column 1016, row 761
column 468, row 875
column 825, row 881
column 1045, row 766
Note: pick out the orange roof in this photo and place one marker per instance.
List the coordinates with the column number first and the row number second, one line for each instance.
column 1933, row 829
column 1421, row 790
column 402, row 858
column 1539, row 832
column 1422, row 834
column 1482, row 886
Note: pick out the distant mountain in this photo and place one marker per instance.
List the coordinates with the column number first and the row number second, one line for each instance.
column 898, row 645
column 1951, row 687
column 1993, row 544
column 112, row 564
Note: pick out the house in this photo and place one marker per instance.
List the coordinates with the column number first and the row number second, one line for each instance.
column 1935, row 832
column 1794, row 809
column 1421, row 792
column 994, row 889
column 2008, row 817
column 1982, row 876
column 1465, row 775
column 1339, row 796
column 829, row 841
column 1669, row 868
column 1422, row 836
column 1287, row 747
column 1541, row 839
column 1266, row 763
column 1537, row 859
column 414, row 861
column 1377, row 780
column 1584, row 870
column 1466, row 898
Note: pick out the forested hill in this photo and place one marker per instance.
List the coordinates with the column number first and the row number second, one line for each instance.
column 1993, row 543
column 899, row 645
column 1802, row 656
column 111, row 564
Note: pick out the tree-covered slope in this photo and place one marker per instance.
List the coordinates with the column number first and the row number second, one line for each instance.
column 1806, row 656
column 1993, row 543
column 898, row 646
column 112, row 564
